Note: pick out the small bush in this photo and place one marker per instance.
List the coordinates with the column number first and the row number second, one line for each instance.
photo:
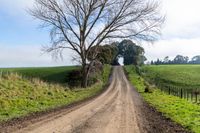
column 148, row 88
column 74, row 78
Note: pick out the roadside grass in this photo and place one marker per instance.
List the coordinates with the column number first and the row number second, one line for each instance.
column 179, row 110
column 20, row 96
column 47, row 74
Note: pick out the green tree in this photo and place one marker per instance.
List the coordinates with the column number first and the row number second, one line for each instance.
column 179, row 59
column 166, row 59
column 105, row 54
column 132, row 53
column 195, row 60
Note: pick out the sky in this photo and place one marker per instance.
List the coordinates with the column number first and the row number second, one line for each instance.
column 21, row 39
column 180, row 33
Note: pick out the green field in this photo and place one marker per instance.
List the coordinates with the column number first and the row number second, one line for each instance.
column 47, row 74
column 179, row 110
column 185, row 76
column 20, row 96
column 178, row 80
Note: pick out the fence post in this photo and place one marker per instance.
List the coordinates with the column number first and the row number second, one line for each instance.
column 184, row 96
column 181, row 93
column 196, row 96
column 169, row 90
column 192, row 95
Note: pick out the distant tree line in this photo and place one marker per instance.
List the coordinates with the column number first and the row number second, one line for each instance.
column 179, row 59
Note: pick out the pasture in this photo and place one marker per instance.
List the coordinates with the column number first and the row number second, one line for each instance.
column 176, row 75
column 178, row 80
column 47, row 74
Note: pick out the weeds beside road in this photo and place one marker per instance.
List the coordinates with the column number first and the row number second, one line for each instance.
column 179, row 110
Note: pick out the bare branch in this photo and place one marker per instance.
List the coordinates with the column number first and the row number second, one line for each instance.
column 81, row 24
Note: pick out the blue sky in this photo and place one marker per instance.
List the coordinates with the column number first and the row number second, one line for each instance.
column 16, row 31
column 17, row 26
column 21, row 38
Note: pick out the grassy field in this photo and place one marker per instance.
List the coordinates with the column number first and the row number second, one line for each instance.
column 47, row 74
column 186, row 76
column 20, row 96
column 179, row 110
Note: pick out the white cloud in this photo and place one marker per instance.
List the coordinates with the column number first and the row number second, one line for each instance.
column 181, row 33
column 171, row 48
column 12, row 55
column 17, row 10
column 182, row 19
column 30, row 55
column 15, row 6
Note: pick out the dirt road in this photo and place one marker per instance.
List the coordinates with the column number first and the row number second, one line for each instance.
column 120, row 109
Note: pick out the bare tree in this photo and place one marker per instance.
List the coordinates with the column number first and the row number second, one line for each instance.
column 81, row 24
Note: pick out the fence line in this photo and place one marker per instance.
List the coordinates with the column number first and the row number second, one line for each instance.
column 190, row 94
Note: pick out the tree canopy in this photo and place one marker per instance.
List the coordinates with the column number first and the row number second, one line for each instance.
column 195, row 60
column 105, row 54
column 110, row 54
column 132, row 53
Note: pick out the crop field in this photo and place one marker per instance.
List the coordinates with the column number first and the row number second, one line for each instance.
column 20, row 96
column 48, row 74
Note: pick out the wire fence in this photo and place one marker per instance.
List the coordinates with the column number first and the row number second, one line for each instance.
column 191, row 94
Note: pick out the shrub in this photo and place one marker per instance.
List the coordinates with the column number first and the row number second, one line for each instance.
column 74, row 78
column 148, row 88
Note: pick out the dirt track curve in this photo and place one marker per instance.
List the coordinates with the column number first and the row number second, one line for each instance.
column 120, row 109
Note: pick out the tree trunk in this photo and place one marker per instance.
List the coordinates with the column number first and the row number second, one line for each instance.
column 85, row 75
